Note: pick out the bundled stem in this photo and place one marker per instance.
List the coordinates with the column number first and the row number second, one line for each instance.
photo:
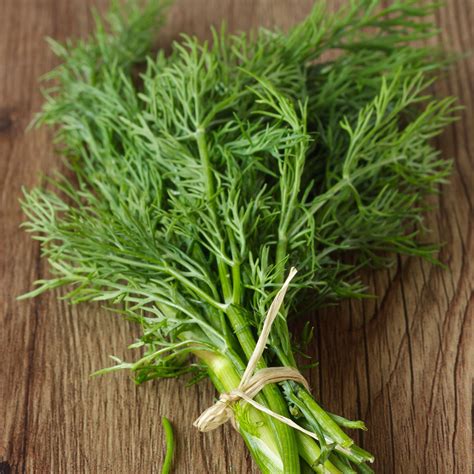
column 199, row 181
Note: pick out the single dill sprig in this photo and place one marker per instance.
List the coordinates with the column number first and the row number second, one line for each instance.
column 200, row 180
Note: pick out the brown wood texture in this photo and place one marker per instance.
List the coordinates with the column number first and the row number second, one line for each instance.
column 402, row 362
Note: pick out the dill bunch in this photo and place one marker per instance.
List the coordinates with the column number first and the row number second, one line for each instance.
column 196, row 179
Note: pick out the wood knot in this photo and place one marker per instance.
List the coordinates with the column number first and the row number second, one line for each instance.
column 5, row 123
column 5, row 467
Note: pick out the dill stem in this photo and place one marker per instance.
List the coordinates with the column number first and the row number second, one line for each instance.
column 204, row 156
column 308, row 447
column 210, row 193
column 285, row 435
column 237, row 285
column 287, row 212
column 275, row 401
column 326, row 422
column 281, row 252
column 166, row 469
column 226, row 377
column 310, row 452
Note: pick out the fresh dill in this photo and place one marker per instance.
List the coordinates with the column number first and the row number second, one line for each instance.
column 196, row 179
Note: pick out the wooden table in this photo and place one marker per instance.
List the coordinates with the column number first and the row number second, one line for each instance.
column 402, row 362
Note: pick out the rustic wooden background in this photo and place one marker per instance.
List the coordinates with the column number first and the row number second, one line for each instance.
column 402, row 362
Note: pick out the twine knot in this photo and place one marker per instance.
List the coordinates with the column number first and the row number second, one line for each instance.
column 250, row 385
column 219, row 413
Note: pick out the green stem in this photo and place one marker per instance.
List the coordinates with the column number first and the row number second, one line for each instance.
column 275, row 400
column 210, row 194
column 166, row 469
column 324, row 420
column 206, row 164
column 281, row 254
column 350, row 424
column 254, row 426
column 323, row 423
column 237, row 288
column 288, row 211
column 310, row 452
column 341, row 463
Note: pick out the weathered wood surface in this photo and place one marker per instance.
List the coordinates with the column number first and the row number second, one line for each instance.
column 402, row 363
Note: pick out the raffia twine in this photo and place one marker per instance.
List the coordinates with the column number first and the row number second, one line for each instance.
column 252, row 383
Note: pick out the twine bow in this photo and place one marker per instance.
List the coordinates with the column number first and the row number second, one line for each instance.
column 250, row 385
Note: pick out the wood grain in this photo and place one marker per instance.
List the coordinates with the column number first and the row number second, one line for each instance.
column 402, row 362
